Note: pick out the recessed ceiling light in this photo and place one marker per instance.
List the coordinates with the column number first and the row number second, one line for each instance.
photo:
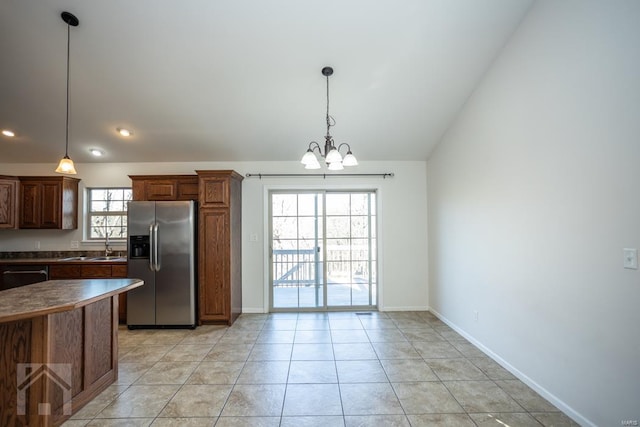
column 124, row 132
column 9, row 133
column 96, row 152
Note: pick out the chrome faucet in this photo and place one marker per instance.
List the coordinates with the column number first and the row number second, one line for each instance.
column 107, row 249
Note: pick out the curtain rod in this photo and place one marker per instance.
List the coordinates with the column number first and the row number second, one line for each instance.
column 322, row 175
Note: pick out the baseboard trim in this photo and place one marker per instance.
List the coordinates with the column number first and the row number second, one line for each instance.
column 569, row 411
column 254, row 310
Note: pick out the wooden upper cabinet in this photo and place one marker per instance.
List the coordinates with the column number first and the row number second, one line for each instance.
column 9, row 189
column 215, row 187
column 164, row 187
column 48, row 202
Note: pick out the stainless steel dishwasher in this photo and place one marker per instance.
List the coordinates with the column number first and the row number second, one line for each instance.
column 15, row 275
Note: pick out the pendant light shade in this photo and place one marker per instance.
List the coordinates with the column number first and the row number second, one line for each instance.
column 331, row 153
column 66, row 164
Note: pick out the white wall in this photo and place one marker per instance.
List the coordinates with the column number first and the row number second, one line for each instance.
column 402, row 229
column 533, row 194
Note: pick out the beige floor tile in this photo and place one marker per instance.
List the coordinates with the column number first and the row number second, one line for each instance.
column 280, row 325
column 395, row 350
column 422, row 334
column 408, row 370
column 345, row 323
column 377, row 323
column 436, row 350
column 146, row 353
column 376, row 421
column 312, row 324
column 184, row 422
column 358, row 351
column 205, row 334
column 94, row 407
column 426, row 398
column 140, row 401
column 255, row 400
column 165, row 337
column 554, row 419
column 187, row 353
column 276, row 337
column 369, row 399
column 216, row 373
column 526, row 397
column 229, row 353
column 441, row 420
column 386, row 335
column 313, row 337
column 482, row 396
column 75, row 423
column 455, row 369
column 466, row 348
column 410, row 323
column 248, row 422
column 239, row 336
column 361, row 371
column 312, row 372
column 197, row 401
column 341, row 336
column 128, row 373
column 121, row 422
column 504, row 419
column 167, row 373
column 264, row 372
column 270, row 352
column 313, row 421
column 312, row 399
column 492, row 369
column 312, row 352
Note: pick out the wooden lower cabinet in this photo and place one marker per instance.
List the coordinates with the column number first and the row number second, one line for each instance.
column 92, row 270
column 64, row 359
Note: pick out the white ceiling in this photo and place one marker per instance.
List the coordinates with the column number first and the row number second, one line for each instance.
column 223, row 80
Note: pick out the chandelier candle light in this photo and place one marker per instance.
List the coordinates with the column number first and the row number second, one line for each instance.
column 66, row 164
column 331, row 154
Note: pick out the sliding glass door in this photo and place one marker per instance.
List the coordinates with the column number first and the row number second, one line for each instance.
column 323, row 250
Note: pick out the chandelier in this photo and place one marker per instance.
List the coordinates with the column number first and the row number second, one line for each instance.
column 331, row 154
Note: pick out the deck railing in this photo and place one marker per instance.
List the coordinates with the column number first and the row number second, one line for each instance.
column 295, row 267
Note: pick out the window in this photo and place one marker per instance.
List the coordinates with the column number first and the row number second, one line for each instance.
column 107, row 213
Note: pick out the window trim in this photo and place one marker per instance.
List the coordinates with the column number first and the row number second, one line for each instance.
column 88, row 214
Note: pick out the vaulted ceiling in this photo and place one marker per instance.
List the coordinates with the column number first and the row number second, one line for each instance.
column 222, row 80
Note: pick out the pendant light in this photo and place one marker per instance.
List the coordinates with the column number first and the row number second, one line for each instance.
column 331, row 154
column 66, row 164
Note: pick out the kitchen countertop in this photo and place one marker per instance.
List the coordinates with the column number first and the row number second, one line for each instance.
column 89, row 260
column 54, row 296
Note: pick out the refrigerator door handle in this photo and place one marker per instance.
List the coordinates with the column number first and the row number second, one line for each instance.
column 151, row 249
column 157, row 246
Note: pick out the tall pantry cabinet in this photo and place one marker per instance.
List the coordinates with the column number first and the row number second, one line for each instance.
column 220, row 246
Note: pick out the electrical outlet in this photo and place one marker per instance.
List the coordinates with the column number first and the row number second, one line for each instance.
column 631, row 258
column 475, row 315
column 37, row 245
column 253, row 238
column 75, row 244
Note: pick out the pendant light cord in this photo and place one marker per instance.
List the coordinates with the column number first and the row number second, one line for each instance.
column 66, row 146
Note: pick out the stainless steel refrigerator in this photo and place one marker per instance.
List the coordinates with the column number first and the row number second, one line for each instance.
column 162, row 252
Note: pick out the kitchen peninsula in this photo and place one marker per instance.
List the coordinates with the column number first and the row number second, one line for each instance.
column 58, row 347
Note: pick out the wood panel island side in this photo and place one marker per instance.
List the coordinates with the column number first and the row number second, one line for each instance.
column 59, row 347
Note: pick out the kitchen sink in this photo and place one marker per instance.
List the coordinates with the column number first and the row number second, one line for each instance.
column 75, row 258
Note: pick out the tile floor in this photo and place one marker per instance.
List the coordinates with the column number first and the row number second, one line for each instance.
column 313, row 369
